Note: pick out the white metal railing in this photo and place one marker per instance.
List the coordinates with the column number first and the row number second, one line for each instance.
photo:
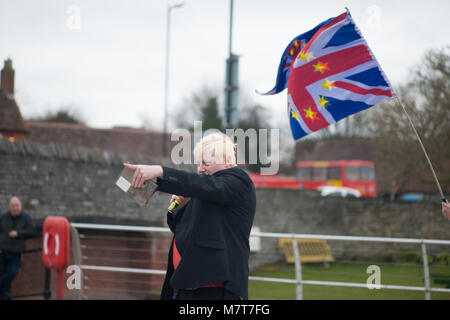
column 299, row 282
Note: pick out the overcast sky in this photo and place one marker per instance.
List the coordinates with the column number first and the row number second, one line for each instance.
column 109, row 64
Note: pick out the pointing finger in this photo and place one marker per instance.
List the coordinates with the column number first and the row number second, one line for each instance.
column 130, row 166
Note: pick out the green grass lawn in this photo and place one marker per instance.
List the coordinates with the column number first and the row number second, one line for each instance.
column 393, row 274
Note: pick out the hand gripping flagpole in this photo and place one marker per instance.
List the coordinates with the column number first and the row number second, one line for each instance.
column 423, row 148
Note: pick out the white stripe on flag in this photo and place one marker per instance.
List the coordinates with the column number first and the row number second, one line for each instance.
column 300, row 119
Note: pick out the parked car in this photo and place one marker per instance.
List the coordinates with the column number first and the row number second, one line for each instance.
column 344, row 192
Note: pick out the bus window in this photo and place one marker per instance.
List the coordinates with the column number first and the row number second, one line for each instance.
column 334, row 173
column 352, row 173
column 367, row 173
column 320, row 174
column 304, row 174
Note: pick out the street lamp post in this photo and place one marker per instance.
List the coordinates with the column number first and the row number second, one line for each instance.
column 231, row 82
column 166, row 84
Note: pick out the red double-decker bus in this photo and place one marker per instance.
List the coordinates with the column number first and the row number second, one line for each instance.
column 274, row 181
column 356, row 174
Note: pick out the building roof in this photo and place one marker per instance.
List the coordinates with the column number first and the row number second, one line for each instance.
column 10, row 117
column 336, row 149
column 119, row 140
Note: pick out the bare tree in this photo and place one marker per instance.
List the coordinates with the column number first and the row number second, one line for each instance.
column 202, row 105
column 66, row 114
column 426, row 97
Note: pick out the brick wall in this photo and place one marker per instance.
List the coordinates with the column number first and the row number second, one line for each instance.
column 102, row 248
column 32, row 280
column 126, row 250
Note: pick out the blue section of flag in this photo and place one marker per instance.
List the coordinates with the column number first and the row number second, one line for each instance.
column 286, row 60
column 340, row 109
column 371, row 77
column 297, row 131
column 343, row 36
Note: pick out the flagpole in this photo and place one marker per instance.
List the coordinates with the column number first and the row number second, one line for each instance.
column 423, row 148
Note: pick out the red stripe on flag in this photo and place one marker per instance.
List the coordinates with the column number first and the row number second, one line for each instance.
column 356, row 89
column 303, row 101
column 339, row 18
column 303, row 76
column 338, row 61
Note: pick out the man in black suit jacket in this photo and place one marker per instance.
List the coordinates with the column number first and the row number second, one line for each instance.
column 208, row 258
column 15, row 227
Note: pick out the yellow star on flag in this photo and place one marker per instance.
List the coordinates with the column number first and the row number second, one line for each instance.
column 294, row 115
column 321, row 67
column 292, row 50
column 305, row 56
column 327, row 84
column 310, row 114
column 322, row 101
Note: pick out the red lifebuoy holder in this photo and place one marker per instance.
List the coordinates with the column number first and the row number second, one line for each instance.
column 56, row 247
column 56, row 242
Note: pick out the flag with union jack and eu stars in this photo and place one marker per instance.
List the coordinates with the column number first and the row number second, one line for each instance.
column 330, row 74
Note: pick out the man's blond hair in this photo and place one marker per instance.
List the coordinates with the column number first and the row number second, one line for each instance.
column 219, row 146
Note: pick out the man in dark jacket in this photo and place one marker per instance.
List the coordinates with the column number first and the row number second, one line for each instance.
column 208, row 258
column 15, row 227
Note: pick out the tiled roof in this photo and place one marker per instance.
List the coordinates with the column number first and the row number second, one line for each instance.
column 120, row 140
